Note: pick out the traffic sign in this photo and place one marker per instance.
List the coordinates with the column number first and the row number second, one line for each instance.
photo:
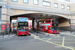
column 7, row 25
column 3, row 27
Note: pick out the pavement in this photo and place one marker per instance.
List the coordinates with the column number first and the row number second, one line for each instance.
column 6, row 36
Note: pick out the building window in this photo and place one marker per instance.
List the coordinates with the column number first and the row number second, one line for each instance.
column 14, row 0
column 56, row 5
column 62, row 6
column 48, row 3
column 36, row 2
column 67, row 0
column 68, row 7
column 25, row 1
column 45, row 3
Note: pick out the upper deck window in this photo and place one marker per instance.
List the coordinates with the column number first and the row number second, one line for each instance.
column 14, row 0
column 36, row 2
column 25, row 1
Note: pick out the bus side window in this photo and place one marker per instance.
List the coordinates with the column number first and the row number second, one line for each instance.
column 48, row 21
column 44, row 21
column 50, row 28
column 42, row 27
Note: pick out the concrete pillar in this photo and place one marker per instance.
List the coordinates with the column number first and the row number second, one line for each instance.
column 73, row 22
column 8, row 21
column 73, row 15
column 3, row 18
column 33, row 23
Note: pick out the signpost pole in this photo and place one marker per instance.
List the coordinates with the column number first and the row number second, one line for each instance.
column 36, row 25
column 69, row 20
column 55, row 21
column 3, row 28
column 3, row 33
column 8, row 28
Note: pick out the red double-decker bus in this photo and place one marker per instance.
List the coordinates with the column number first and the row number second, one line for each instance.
column 48, row 26
column 22, row 26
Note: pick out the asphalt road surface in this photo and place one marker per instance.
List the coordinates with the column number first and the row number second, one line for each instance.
column 28, row 43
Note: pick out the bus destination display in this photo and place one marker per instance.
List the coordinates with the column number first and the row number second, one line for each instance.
column 22, row 24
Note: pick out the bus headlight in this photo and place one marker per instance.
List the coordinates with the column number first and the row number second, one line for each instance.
column 57, row 31
column 52, row 31
column 26, row 32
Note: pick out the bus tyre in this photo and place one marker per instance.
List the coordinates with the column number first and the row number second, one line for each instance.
column 29, row 34
column 47, row 31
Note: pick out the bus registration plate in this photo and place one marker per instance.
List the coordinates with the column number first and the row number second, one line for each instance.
column 22, row 34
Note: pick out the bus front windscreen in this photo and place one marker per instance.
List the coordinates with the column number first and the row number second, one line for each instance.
column 53, row 28
column 22, row 26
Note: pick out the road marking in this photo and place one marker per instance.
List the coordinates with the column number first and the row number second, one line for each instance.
column 63, row 41
column 55, row 44
column 49, row 39
column 73, row 35
column 57, row 35
column 44, row 38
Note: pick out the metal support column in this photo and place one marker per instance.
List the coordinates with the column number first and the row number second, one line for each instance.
column 33, row 23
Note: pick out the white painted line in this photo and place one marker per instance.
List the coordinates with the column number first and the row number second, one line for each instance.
column 32, row 35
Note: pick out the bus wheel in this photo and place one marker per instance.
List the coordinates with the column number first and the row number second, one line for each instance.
column 47, row 31
column 29, row 34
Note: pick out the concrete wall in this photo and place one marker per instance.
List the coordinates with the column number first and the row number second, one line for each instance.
column 64, row 24
column 39, row 7
column 40, row 4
